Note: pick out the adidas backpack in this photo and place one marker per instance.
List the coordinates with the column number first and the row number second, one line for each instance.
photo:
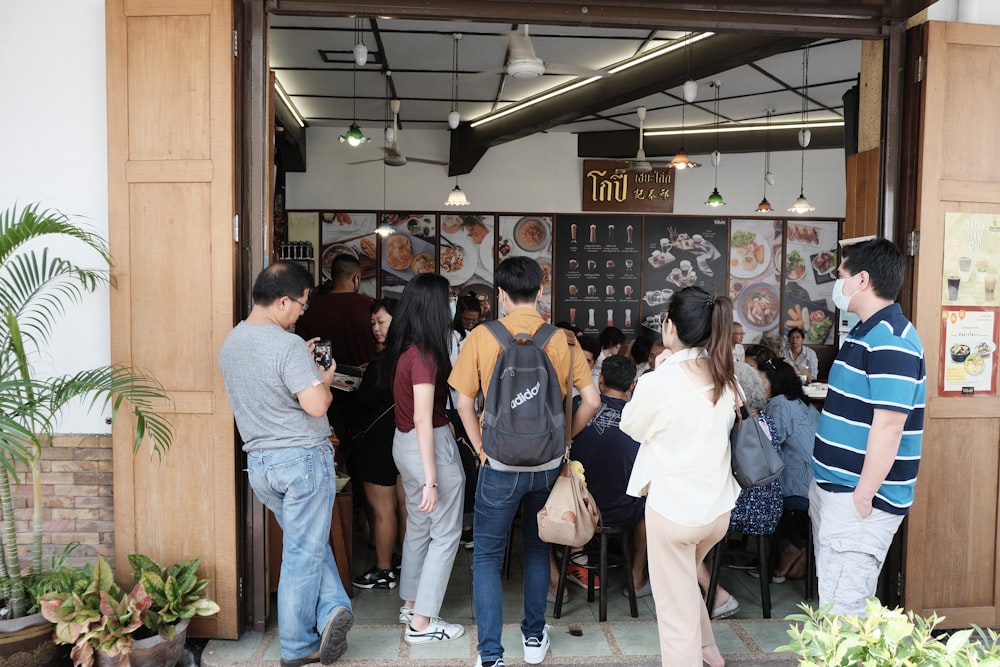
column 523, row 421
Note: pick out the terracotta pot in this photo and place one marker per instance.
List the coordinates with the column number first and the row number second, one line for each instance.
column 27, row 642
column 152, row 651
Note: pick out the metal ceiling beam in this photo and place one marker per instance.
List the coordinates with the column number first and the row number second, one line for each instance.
column 622, row 144
column 814, row 18
column 717, row 54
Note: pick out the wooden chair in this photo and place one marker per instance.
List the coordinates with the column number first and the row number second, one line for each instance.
column 602, row 571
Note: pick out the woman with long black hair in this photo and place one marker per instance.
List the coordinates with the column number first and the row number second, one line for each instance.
column 681, row 414
column 426, row 455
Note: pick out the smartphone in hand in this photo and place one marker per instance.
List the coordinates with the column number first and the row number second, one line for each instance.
column 323, row 353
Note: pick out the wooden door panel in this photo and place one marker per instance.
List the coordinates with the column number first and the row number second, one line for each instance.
column 171, row 204
column 952, row 537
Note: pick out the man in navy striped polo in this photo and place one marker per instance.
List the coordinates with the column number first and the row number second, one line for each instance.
column 867, row 447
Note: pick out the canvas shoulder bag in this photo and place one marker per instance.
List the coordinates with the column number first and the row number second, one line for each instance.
column 570, row 516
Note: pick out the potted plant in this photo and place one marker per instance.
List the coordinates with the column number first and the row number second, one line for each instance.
column 885, row 638
column 37, row 283
column 145, row 627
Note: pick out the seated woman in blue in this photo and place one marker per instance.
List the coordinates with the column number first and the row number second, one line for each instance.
column 795, row 421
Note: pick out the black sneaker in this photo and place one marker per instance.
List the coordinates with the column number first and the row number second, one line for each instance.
column 376, row 578
column 466, row 539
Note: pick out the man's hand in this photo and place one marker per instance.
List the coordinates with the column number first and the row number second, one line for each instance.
column 861, row 506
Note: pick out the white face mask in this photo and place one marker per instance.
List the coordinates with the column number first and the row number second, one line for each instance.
column 840, row 299
column 452, row 306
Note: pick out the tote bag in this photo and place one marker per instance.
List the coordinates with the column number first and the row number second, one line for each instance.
column 754, row 459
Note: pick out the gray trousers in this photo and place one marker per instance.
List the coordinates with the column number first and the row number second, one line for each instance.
column 431, row 540
column 850, row 550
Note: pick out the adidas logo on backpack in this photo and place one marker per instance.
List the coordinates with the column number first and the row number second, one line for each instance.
column 523, row 421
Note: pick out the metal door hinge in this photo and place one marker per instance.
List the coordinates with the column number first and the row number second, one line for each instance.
column 236, row 228
column 239, row 588
column 913, row 243
column 921, row 69
column 236, row 43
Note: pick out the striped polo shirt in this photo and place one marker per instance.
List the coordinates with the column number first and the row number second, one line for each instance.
column 880, row 366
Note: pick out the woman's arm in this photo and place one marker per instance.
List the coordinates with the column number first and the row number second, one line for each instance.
column 423, row 415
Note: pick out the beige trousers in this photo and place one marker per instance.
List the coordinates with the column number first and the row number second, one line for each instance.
column 674, row 553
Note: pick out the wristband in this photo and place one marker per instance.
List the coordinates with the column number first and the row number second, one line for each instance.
column 430, row 486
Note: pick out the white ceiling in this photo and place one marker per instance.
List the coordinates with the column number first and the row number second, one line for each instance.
column 419, row 53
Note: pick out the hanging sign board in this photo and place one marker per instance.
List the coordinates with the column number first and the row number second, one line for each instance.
column 607, row 186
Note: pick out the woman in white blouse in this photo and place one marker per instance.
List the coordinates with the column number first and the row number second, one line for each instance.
column 682, row 413
column 802, row 358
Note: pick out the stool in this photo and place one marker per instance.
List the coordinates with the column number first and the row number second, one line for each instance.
column 763, row 568
column 602, row 568
column 810, row 583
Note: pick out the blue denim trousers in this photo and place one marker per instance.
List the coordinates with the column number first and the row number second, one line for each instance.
column 498, row 495
column 298, row 484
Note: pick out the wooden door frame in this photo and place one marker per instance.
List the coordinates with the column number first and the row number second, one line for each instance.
column 256, row 183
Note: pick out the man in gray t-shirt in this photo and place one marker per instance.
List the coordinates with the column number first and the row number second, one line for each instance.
column 279, row 396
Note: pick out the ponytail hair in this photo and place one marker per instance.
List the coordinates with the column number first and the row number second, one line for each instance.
column 705, row 321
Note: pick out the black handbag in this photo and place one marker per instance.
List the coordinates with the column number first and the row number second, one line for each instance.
column 754, row 458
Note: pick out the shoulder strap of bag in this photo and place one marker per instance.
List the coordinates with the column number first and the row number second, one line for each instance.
column 375, row 421
column 569, row 401
column 499, row 332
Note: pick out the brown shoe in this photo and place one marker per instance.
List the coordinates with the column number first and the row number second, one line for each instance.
column 334, row 641
column 310, row 659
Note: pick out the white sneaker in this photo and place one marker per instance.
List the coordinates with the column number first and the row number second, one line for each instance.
column 405, row 615
column 535, row 648
column 498, row 663
column 436, row 630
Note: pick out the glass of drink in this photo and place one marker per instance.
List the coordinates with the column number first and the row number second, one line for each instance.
column 964, row 264
column 611, row 234
column 982, row 264
column 593, row 233
column 629, row 264
column 628, row 317
column 572, row 315
column 953, row 283
column 611, row 317
column 572, row 232
column 590, row 318
column 628, row 233
column 989, row 286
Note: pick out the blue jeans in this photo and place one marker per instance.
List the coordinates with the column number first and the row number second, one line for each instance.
column 498, row 495
column 298, row 484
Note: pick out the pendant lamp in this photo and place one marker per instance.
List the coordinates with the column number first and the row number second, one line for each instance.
column 454, row 118
column 765, row 206
column 681, row 159
column 802, row 204
column 354, row 137
column 457, row 197
column 715, row 199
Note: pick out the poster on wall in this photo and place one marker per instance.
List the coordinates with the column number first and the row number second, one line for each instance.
column 598, row 263
column 408, row 251
column 530, row 236
column 971, row 259
column 677, row 253
column 466, row 256
column 968, row 356
column 351, row 233
column 755, row 276
column 811, row 262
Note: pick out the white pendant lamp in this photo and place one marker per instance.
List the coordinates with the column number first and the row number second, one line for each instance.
column 802, row 205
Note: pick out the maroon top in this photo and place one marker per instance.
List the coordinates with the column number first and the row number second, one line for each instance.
column 345, row 319
column 416, row 368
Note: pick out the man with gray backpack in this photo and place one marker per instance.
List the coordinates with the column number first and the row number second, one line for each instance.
column 523, row 371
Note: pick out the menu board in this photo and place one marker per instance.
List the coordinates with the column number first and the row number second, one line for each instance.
column 811, row 262
column 598, row 268
column 968, row 360
column 971, row 259
column 353, row 234
column 408, row 251
column 530, row 236
column 677, row 253
column 466, row 256
column 755, row 277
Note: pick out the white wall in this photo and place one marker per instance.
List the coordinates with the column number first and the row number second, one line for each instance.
column 966, row 11
column 541, row 174
column 52, row 59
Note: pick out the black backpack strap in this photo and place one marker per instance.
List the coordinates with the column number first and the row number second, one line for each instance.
column 544, row 335
column 499, row 332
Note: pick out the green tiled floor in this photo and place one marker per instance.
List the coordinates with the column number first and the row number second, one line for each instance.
column 377, row 637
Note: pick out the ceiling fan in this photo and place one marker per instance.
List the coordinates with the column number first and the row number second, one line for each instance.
column 639, row 164
column 394, row 157
column 522, row 63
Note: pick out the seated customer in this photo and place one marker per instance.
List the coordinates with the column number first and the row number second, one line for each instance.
column 795, row 421
column 607, row 456
column 801, row 357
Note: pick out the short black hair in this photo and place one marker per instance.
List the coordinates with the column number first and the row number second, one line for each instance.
column 797, row 330
column 520, row 278
column 618, row 372
column 278, row 280
column 610, row 337
column 641, row 347
column 590, row 344
column 388, row 305
column 784, row 380
column 883, row 261
column 344, row 266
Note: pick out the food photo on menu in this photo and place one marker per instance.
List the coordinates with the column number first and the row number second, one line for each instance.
column 529, row 236
column 467, row 246
column 408, row 251
column 353, row 234
column 810, row 270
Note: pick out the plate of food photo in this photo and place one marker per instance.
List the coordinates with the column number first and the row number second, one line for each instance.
column 531, row 234
column 759, row 306
column 459, row 258
column 795, row 266
column 748, row 255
